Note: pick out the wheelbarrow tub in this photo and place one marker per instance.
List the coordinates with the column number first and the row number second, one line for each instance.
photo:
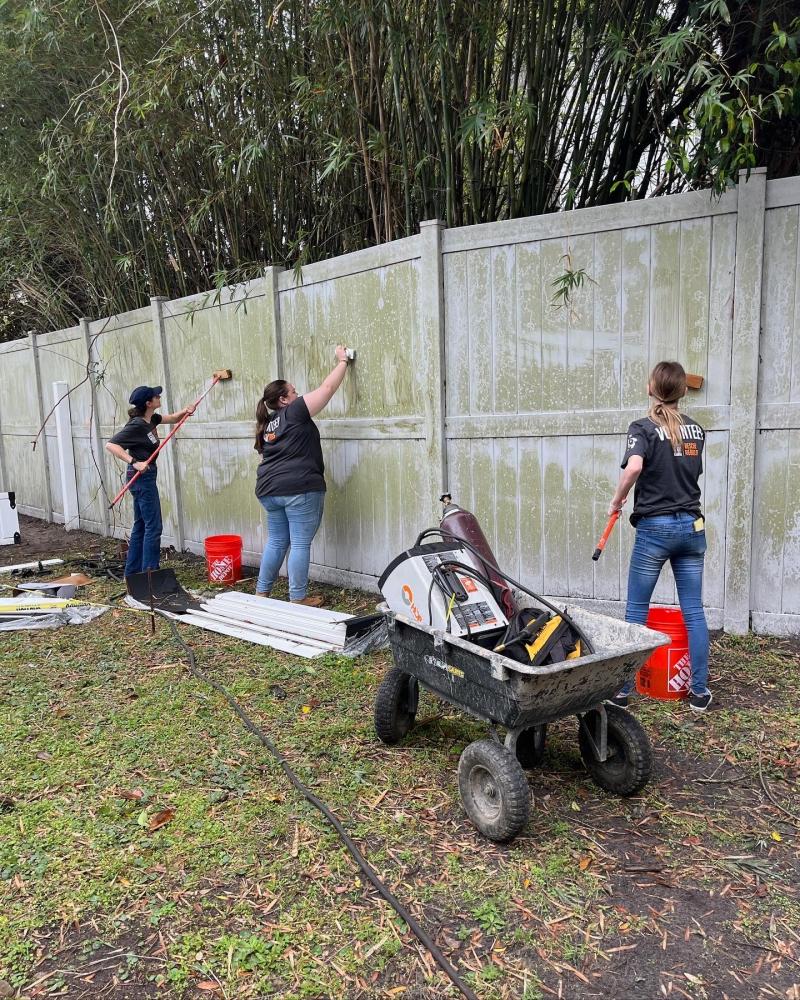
column 516, row 695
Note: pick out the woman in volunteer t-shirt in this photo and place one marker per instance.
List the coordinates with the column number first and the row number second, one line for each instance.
column 290, row 482
column 664, row 459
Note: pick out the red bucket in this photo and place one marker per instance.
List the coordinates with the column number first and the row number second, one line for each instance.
column 224, row 558
column 668, row 672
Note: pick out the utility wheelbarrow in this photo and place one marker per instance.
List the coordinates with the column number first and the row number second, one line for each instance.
column 522, row 699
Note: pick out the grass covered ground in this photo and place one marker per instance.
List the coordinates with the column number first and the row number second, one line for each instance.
column 150, row 847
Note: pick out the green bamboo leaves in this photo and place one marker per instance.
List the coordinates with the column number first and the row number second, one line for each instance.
column 164, row 148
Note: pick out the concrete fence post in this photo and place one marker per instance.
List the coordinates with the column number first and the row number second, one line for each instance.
column 96, row 438
column 157, row 307
column 66, row 456
column 4, row 480
column 744, row 398
column 40, row 409
column 271, row 293
column 429, row 362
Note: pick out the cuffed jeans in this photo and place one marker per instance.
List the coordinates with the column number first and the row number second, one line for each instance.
column 292, row 522
column 671, row 537
column 144, row 547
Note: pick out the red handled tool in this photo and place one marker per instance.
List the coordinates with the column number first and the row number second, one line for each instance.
column 222, row 375
column 612, row 520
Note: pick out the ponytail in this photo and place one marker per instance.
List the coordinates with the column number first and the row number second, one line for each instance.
column 136, row 411
column 268, row 403
column 667, row 386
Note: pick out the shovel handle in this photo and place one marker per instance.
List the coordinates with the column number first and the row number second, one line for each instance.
column 612, row 520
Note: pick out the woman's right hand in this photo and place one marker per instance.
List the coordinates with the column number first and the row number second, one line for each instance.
column 341, row 353
column 615, row 507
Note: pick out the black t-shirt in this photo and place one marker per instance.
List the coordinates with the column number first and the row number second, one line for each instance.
column 139, row 438
column 291, row 454
column 668, row 482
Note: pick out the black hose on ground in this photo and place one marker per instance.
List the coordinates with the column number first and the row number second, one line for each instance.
column 422, row 936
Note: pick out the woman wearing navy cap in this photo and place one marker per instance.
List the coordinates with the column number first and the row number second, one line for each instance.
column 134, row 445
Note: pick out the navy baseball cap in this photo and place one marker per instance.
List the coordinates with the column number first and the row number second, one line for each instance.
column 142, row 394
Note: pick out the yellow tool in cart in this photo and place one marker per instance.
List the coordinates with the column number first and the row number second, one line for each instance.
column 539, row 638
column 555, row 633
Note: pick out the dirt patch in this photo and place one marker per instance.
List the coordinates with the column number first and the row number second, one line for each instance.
column 82, row 965
column 41, row 540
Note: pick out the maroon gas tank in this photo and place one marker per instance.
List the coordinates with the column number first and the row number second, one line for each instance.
column 462, row 524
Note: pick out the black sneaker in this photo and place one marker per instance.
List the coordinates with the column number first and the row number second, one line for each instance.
column 619, row 699
column 699, row 702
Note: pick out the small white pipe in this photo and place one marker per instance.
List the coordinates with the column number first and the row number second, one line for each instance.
column 66, row 455
column 32, row 565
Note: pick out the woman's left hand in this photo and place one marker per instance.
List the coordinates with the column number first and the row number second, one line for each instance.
column 188, row 410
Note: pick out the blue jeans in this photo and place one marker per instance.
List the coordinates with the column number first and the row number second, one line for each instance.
column 671, row 537
column 144, row 547
column 291, row 521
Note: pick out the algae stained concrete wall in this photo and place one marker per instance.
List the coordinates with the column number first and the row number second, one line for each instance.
column 22, row 469
column 62, row 357
column 540, row 390
column 471, row 375
column 775, row 585
column 375, row 437
column 214, row 449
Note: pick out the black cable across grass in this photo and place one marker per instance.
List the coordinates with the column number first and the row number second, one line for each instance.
column 420, row 933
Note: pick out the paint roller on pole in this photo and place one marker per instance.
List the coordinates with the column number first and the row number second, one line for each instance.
column 221, row 375
column 612, row 520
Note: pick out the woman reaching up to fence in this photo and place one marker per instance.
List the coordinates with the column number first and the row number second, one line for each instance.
column 664, row 459
column 134, row 445
column 290, row 481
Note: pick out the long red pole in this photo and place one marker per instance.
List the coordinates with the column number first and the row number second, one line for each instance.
column 171, row 434
column 612, row 520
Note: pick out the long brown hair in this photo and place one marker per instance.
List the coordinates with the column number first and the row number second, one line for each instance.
column 667, row 386
column 268, row 403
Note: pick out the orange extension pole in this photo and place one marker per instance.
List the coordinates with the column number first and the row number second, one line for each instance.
column 612, row 520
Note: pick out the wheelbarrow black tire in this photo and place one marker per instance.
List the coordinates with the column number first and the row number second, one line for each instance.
column 626, row 770
column 494, row 790
column 394, row 716
column 530, row 746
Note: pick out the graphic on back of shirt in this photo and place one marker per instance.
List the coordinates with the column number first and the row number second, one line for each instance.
column 691, row 434
column 668, row 482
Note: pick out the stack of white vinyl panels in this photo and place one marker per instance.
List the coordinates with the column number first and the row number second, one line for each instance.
column 291, row 628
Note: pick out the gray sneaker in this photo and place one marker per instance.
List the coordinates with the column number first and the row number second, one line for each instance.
column 699, row 702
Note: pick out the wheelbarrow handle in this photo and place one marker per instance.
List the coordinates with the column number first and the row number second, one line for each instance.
column 612, row 520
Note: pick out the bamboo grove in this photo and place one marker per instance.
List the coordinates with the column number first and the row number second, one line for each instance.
column 169, row 146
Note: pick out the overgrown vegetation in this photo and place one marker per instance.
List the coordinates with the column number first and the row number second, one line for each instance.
column 167, row 148
column 149, row 848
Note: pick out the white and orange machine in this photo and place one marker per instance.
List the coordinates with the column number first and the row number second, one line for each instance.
column 422, row 584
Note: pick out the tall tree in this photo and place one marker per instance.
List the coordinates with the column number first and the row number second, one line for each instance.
column 165, row 148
